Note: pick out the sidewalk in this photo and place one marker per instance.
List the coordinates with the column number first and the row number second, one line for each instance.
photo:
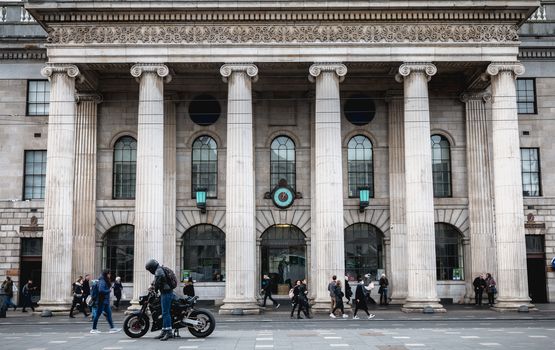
column 390, row 313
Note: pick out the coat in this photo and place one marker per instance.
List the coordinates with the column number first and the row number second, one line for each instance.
column 360, row 297
column 338, row 296
column 104, row 291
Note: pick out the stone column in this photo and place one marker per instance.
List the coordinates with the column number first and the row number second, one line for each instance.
column 328, row 233
column 58, row 204
column 421, row 254
column 149, row 197
column 480, row 199
column 170, row 186
column 84, row 210
column 398, row 230
column 240, row 287
column 512, row 276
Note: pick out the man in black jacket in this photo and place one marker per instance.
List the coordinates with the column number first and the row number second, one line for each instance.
column 267, row 287
column 161, row 283
column 479, row 286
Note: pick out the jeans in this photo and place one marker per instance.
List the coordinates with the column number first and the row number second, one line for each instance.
column 383, row 296
column 103, row 308
column 166, row 301
column 9, row 302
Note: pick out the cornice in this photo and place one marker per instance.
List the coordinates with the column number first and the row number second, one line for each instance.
column 542, row 53
column 23, row 54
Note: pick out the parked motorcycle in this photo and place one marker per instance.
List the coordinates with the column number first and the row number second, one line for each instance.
column 200, row 323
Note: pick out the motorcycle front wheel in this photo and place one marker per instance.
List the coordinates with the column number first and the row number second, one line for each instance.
column 135, row 326
column 207, row 323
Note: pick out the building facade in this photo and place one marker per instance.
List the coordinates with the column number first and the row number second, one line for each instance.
column 235, row 140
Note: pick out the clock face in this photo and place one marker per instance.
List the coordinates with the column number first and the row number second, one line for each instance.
column 283, row 197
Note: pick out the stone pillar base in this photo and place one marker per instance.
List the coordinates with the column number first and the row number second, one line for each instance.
column 513, row 305
column 134, row 306
column 397, row 301
column 238, row 308
column 55, row 307
column 422, row 306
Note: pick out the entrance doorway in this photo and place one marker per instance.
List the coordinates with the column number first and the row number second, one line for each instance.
column 283, row 255
column 30, row 266
column 535, row 262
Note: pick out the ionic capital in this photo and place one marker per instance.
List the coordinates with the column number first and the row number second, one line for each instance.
column 339, row 68
column 70, row 69
column 516, row 68
column 160, row 69
column 406, row 69
column 229, row 68
column 88, row 96
column 484, row 96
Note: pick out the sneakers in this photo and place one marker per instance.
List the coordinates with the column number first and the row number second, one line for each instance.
column 356, row 318
column 114, row 330
column 95, row 331
column 345, row 316
column 371, row 316
column 277, row 306
column 332, row 316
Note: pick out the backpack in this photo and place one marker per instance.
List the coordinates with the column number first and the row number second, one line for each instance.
column 291, row 293
column 171, row 278
column 91, row 299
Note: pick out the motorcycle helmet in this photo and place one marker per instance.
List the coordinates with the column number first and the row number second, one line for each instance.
column 152, row 265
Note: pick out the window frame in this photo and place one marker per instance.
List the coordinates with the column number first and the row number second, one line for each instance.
column 534, row 90
column 349, row 172
column 47, row 103
column 360, row 234
column 196, row 230
column 460, row 252
column 539, row 172
column 117, row 229
column 294, row 161
column 193, row 188
column 114, row 170
column 450, row 163
column 25, row 153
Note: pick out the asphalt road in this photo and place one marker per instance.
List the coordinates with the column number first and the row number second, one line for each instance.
column 298, row 334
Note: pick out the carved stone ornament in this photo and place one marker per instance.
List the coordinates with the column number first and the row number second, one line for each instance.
column 484, row 96
column 160, row 69
column 514, row 67
column 88, row 96
column 71, row 70
column 339, row 68
column 338, row 33
column 416, row 67
column 250, row 69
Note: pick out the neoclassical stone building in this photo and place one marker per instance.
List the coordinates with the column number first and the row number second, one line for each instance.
column 232, row 140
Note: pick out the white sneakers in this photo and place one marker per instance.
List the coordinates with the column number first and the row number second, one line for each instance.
column 345, row 316
column 95, row 331
column 371, row 316
column 332, row 316
column 356, row 318
column 114, row 330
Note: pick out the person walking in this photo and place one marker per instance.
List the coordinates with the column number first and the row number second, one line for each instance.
column 491, row 288
column 267, row 285
column 295, row 299
column 304, row 306
column 8, row 289
column 117, row 287
column 165, row 282
column 479, row 284
column 77, row 288
column 87, row 290
column 360, row 300
column 103, row 304
column 348, row 290
column 338, row 300
column 27, row 293
column 331, row 289
column 189, row 288
column 384, row 283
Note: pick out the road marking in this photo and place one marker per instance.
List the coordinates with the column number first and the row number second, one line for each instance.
column 127, row 341
column 332, row 337
column 414, row 345
column 452, row 332
column 470, row 336
column 81, row 337
column 188, row 347
column 537, row 336
column 490, row 344
column 263, row 346
column 339, row 345
column 12, row 338
column 515, row 332
column 112, row 348
column 36, row 349
column 401, row 337
column 58, row 341
column 261, row 339
column 195, row 339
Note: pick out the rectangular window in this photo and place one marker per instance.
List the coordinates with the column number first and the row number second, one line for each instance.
column 38, row 97
column 34, row 175
column 531, row 174
column 526, row 96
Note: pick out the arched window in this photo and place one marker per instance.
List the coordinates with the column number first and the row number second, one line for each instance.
column 449, row 253
column 363, row 250
column 283, row 255
column 125, row 168
column 118, row 252
column 282, row 161
column 205, row 166
column 204, row 253
column 441, row 166
column 360, row 165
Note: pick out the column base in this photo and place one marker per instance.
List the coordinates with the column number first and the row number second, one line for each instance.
column 55, row 307
column 512, row 305
column 422, row 306
column 134, row 306
column 397, row 301
column 240, row 308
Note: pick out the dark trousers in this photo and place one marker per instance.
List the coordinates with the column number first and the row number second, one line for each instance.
column 361, row 306
column 27, row 302
column 338, row 306
column 118, row 298
column 268, row 295
column 82, row 308
column 478, row 293
column 491, row 298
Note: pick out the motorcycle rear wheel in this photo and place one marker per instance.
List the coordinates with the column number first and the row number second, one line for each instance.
column 208, row 323
column 135, row 326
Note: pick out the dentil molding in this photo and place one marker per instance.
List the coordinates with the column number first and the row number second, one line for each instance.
column 317, row 33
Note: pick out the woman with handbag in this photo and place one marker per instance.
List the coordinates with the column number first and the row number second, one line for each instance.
column 491, row 288
column 78, row 298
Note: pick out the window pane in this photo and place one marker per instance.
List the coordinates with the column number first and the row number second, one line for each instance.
column 449, row 257
column 124, row 167
column 441, row 166
column 34, row 174
column 204, row 171
column 359, row 164
column 118, row 252
column 204, row 253
column 282, row 161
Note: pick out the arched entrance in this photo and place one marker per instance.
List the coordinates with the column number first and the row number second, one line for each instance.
column 283, row 256
column 364, row 251
column 204, row 253
column 117, row 252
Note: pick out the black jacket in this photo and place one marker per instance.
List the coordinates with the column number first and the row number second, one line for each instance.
column 160, row 281
column 479, row 283
column 86, row 288
column 189, row 290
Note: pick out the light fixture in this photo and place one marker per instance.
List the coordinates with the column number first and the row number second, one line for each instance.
column 201, row 199
column 364, row 196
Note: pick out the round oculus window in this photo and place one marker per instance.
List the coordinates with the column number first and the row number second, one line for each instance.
column 204, row 110
column 359, row 109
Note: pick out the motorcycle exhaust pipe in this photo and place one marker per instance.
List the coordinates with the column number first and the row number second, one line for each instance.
column 188, row 322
